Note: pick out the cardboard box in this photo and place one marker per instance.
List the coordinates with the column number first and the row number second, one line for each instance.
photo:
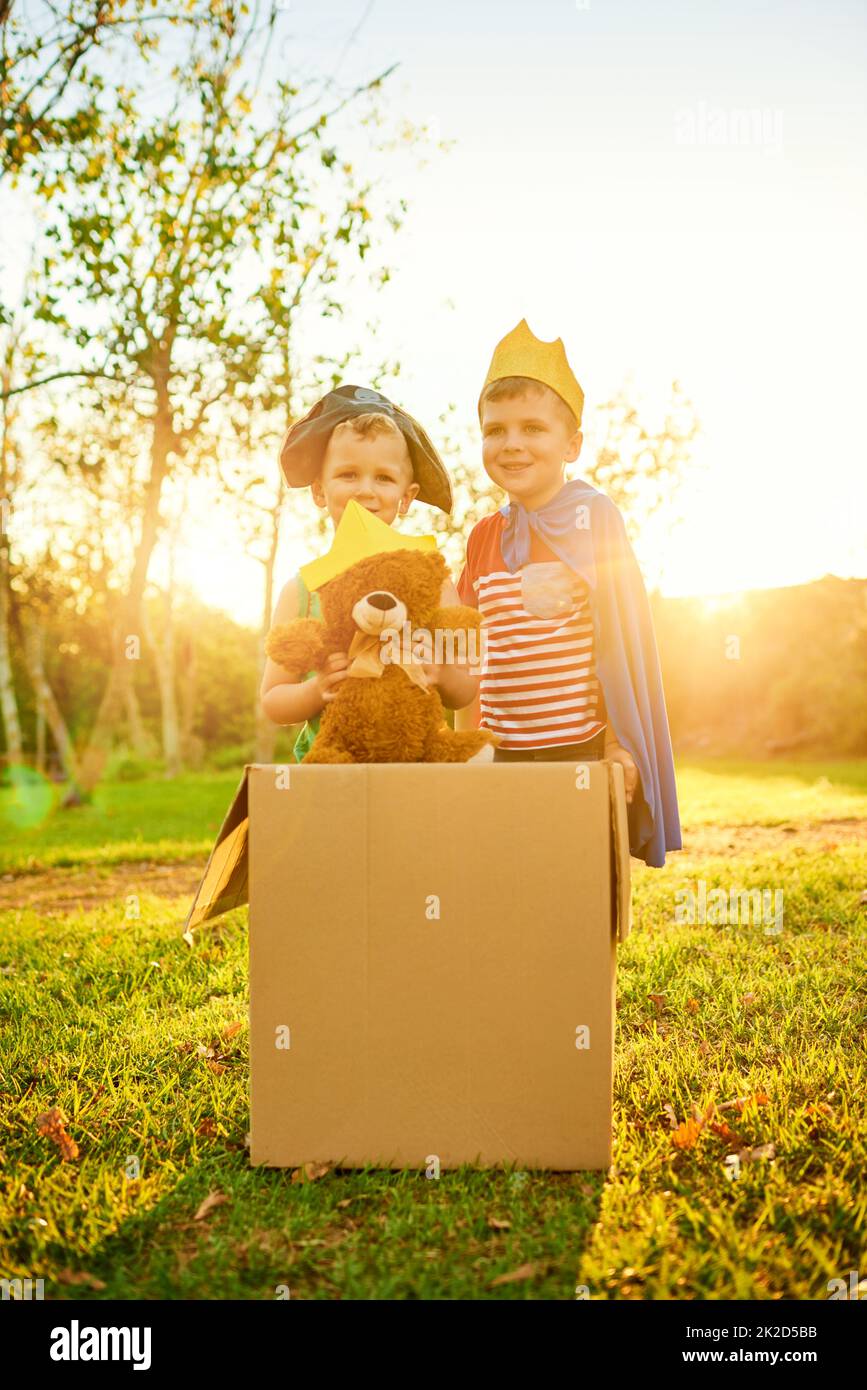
column 432, row 960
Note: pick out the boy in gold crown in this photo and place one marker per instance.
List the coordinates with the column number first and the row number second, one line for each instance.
column 571, row 669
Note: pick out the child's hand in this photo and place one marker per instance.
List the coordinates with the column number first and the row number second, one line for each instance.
column 433, row 674
column 616, row 754
column 433, row 670
column 328, row 680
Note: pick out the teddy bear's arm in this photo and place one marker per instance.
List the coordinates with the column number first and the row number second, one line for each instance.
column 297, row 646
column 455, row 618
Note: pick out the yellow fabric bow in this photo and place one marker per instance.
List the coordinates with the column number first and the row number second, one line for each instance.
column 366, row 654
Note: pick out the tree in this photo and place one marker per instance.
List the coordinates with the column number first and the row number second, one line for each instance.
column 182, row 244
column 640, row 468
column 50, row 79
column 9, row 464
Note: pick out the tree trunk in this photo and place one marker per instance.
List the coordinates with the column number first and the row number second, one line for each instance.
column 46, row 702
column 8, row 703
column 164, row 660
column 191, row 745
column 39, row 643
column 140, row 739
column 266, row 731
column 114, row 695
column 40, row 739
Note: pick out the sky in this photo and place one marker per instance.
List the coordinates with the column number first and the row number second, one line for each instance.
column 678, row 190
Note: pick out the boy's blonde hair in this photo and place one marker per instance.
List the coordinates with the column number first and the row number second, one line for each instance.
column 374, row 423
column 508, row 387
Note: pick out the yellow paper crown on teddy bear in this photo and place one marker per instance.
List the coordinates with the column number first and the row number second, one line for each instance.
column 521, row 353
column 359, row 535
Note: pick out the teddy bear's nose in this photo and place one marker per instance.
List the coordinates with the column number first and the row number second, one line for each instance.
column 382, row 601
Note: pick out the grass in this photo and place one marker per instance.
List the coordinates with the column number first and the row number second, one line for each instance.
column 111, row 1017
column 127, row 822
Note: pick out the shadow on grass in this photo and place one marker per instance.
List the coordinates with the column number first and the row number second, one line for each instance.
column 357, row 1234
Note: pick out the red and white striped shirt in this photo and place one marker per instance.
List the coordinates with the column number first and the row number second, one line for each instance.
column 538, row 687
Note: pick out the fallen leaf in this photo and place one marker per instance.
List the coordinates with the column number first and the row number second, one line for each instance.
column 759, row 1152
column 497, row 1225
column 741, row 1103
column 213, row 1199
column 52, row 1124
column 748, row 999
column 207, row 1127
column 670, row 1112
column 705, row 1048
column 527, row 1271
column 231, row 1029
column 71, row 1276
column 659, row 1001
column 692, row 1005
column 311, row 1172
column 722, row 1129
column 686, row 1135
column 216, row 1067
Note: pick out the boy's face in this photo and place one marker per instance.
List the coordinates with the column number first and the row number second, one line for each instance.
column 373, row 470
column 525, row 443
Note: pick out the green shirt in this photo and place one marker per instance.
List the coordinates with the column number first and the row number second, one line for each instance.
column 308, row 607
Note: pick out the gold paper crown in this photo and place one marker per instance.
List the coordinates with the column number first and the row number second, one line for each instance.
column 521, row 353
column 359, row 535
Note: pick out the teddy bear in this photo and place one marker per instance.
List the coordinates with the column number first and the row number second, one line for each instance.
column 385, row 711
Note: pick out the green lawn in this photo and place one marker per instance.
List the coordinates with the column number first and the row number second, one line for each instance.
column 127, row 822
column 109, row 1017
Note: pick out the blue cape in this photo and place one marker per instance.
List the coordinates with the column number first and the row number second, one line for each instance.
column 627, row 660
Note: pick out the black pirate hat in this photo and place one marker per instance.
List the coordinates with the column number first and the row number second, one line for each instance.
column 303, row 448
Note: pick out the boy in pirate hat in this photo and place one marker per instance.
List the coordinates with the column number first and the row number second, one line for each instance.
column 354, row 445
column 572, row 670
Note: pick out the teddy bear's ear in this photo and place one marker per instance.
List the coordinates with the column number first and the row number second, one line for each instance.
column 296, row 646
column 437, row 563
column 430, row 569
column 418, row 579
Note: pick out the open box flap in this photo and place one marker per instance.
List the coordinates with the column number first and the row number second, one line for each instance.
column 224, row 882
column 622, row 886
